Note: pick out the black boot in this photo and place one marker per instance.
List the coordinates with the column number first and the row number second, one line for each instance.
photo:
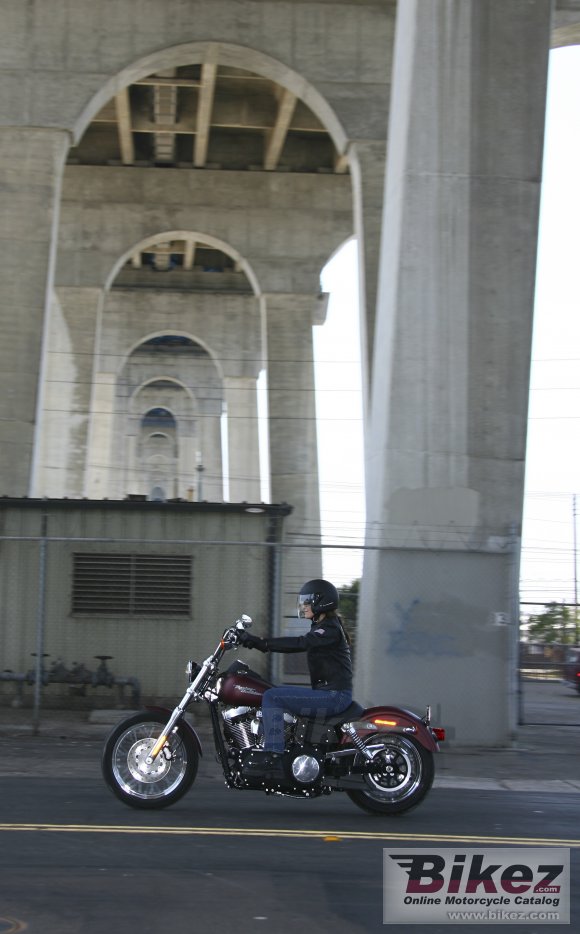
column 258, row 763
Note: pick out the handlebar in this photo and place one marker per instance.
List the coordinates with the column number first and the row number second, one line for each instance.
column 231, row 635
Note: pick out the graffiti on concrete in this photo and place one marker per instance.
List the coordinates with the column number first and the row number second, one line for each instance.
column 413, row 637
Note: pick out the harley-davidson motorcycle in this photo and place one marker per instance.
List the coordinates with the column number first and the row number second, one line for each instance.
column 382, row 757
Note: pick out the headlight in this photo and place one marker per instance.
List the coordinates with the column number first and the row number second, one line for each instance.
column 191, row 670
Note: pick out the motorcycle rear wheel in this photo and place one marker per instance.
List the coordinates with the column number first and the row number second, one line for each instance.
column 131, row 779
column 404, row 775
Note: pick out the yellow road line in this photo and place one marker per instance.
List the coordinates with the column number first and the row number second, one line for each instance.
column 292, row 834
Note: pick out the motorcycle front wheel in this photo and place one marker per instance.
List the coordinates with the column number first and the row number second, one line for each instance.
column 127, row 773
column 403, row 775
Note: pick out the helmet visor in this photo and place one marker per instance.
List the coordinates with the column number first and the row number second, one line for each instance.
column 304, row 600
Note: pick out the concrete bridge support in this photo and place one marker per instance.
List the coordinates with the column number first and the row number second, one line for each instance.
column 451, row 257
column 31, row 164
column 368, row 179
column 292, row 429
column 66, row 396
column 446, row 439
column 241, row 398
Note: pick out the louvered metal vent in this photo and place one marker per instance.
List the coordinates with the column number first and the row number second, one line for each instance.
column 132, row 585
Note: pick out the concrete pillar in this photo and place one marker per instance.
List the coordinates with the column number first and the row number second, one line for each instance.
column 243, row 444
column 66, row 392
column 446, row 444
column 31, row 166
column 102, row 479
column 133, row 475
column 188, row 446
column 210, row 446
column 292, row 434
column 367, row 162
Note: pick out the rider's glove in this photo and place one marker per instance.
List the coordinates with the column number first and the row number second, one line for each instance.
column 253, row 642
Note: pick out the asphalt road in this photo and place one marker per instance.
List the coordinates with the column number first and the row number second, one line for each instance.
column 73, row 859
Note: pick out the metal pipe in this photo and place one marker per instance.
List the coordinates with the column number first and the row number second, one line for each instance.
column 86, row 678
column 40, row 623
column 133, row 683
column 19, row 678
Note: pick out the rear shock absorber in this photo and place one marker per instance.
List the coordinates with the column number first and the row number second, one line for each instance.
column 357, row 741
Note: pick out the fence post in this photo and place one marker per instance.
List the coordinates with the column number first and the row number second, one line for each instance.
column 275, row 561
column 40, row 623
column 515, row 673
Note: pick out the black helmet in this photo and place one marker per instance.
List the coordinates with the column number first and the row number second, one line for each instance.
column 321, row 595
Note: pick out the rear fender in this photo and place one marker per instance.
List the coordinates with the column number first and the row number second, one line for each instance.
column 186, row 724
column 393, row 720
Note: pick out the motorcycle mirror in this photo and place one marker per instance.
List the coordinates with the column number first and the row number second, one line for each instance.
column 244, row 622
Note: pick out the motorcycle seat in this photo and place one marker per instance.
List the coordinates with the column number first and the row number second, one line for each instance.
column 352, row 712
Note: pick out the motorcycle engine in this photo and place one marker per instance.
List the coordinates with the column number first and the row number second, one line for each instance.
column 243, row 726
column 306, row 767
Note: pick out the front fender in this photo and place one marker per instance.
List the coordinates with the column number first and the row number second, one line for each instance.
column 393, row 720
column 184, row 722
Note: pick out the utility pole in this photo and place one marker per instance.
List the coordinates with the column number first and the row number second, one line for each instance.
column 576, row 627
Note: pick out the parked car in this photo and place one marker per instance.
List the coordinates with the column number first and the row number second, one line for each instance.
column 571, row 670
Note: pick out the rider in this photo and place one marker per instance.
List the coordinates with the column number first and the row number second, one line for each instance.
column 329, row 663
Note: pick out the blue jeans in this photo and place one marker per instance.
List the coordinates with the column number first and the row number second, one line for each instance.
column 302, row 702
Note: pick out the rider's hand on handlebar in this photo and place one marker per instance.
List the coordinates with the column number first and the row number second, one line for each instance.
column 253, row 642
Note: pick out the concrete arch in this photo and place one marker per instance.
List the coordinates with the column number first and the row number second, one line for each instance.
column 142, row 414
column 565, row 35
column 224, row 53
column 165, row 379
column 172, row 333
column 135, row 409
column 339, row 248
column 199, row 237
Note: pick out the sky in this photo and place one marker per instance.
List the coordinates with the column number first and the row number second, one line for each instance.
column 339, row 418
column 553, row 455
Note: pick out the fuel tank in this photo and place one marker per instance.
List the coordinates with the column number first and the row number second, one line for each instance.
column 240, row 685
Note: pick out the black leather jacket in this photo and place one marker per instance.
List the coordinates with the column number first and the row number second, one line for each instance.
column 329, row 660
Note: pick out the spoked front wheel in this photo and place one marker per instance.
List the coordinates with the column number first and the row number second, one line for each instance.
column 143, row 785
column 401, row 774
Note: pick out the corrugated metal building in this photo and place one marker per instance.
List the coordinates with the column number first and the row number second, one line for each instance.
column 148, row 583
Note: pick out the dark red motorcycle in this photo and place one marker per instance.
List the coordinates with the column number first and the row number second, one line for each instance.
column 382, row 757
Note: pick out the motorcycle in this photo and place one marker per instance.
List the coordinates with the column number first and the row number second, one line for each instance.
column 382, row 757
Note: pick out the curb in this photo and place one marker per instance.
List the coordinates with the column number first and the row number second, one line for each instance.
column 534, row 786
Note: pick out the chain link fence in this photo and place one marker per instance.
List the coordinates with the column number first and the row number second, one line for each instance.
column 103, row 607
column 102, row 604
column 103, row 621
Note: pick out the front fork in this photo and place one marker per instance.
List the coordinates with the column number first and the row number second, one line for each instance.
column 196, row 689
column 191, row 694
column 168, row 729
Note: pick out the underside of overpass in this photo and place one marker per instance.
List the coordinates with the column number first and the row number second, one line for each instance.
column 175, row 178
column 199, row 372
